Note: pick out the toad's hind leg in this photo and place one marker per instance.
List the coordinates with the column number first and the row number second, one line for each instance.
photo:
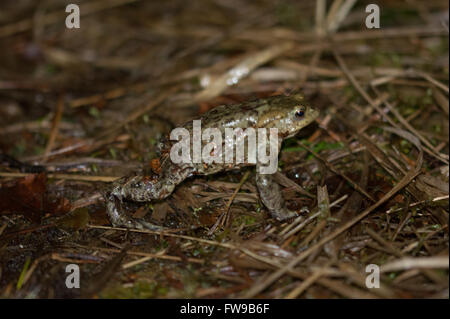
column 270, row 194
column 141, row 189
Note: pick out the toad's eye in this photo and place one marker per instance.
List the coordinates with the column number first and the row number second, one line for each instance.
column 299, row 114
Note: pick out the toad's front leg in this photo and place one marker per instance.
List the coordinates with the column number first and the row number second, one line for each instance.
column 270, row 194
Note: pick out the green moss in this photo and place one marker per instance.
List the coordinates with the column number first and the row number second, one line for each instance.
column 38, row 149
column 139, row 290
column 94, row 168
column 19, row 148
column 244, row 219
column 51, row 69
column 392, row 275
column 94, row 112
column 112, row 152
column 385, row 59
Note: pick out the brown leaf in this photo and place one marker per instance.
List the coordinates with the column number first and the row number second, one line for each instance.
column 28, row 196
column 76, row 220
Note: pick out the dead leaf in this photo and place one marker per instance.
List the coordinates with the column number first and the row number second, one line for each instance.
column 28, row 196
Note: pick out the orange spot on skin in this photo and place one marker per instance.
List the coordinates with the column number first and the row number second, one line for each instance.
column 146, row 179
column 155, row 164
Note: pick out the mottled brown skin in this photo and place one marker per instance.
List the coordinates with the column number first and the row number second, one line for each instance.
column 288, row 114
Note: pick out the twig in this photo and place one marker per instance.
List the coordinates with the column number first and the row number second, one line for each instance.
column 406, row 124
column 55, row 127
column 334, row 170
column 412, row 263
column 339, row 15
column 242, row 69
column 74, row 177
column 224, row 218
column 297, row 291
column 272, row 278
column 366, row 96
column 321, row 7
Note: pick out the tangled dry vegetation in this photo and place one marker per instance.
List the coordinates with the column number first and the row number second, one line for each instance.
column 82, row 107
